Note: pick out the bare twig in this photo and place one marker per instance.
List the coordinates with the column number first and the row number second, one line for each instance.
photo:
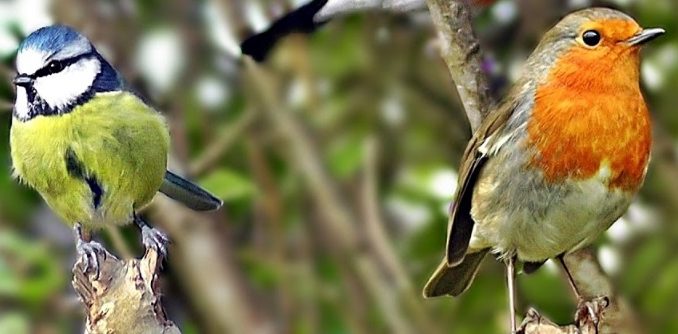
column 226, row 138
column 338, row 218
column 205, row 267
column 374, row 226
column 378, row 240
column 460, row 49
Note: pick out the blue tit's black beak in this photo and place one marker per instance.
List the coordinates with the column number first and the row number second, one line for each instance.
column 23, row 80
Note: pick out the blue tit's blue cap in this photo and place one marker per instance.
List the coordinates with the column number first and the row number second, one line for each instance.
column 60, row 42
column 56, row 38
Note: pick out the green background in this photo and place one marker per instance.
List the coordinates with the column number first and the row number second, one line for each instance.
column 336, row 161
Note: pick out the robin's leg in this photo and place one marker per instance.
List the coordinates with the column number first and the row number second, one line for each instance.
column 570, row 279
column 590, row 309
column 88, row 251
column 511, row 278
column 152, row 237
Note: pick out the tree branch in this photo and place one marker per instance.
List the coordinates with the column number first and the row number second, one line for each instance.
column 461, row 51
column 124, row 298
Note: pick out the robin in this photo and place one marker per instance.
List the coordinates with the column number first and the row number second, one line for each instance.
column 312, row 14
column 559, row 160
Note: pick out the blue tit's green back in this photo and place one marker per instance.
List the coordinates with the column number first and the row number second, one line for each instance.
column 97, row 163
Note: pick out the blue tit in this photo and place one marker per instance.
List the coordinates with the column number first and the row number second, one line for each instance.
column 90, row 146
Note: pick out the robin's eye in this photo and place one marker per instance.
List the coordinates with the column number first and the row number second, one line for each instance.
column 591, row 37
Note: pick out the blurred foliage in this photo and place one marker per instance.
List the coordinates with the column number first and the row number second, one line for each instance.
column 229, row 185
column 366, row 79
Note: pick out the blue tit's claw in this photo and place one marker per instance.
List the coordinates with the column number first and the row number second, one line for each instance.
column 155, row 239
column 89, row 252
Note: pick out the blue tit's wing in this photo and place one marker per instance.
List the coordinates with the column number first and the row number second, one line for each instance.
column 188, row 193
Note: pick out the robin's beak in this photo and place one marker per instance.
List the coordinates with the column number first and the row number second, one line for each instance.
column 23, row 80
column 645, row 36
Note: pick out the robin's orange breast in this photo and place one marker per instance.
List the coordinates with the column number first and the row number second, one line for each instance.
column 585, row 120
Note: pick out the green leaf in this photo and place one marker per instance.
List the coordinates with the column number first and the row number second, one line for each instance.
column 264, row 272
column 229, row 185
column 16, row 323
column 9, row 283
column 28, row 271
column 346, row 156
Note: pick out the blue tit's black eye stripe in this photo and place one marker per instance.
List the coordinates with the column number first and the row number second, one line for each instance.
column 56, row 66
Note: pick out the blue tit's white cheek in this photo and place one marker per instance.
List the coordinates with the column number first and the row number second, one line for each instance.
column 21, row 104
column 61, row 89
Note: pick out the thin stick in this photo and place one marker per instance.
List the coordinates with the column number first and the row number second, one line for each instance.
column 511, row 282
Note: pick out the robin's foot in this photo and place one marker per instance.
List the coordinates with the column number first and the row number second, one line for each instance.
column 89, row 253
column 152, row 238
column 532, row 318
column 591, row 311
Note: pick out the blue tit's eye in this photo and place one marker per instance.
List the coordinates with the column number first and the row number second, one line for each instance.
column 55, row 67
column 52, row 67
column 591, row 37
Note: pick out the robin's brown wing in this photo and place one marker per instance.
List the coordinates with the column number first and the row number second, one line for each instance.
column 461, row 222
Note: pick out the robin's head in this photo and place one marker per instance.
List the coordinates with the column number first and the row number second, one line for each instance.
column 588, row 113
column 591, row 43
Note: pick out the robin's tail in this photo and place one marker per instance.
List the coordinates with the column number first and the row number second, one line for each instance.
column 300, row 20
column 453, row 281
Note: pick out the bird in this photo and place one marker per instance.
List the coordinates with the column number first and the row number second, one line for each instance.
column 558, row 160
column 309, row 16
column 88, row 144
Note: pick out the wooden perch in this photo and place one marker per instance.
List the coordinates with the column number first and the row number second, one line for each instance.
column 461, row 51
column 124, row 298
column 585, row 322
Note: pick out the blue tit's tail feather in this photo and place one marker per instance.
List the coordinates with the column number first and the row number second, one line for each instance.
column 188, row 193
column 300, row 20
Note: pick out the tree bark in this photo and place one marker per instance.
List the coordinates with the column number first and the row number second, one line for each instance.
column 124, row 298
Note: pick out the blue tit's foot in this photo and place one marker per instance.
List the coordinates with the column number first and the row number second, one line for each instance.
column 152, row 238
column 155, row 239
column 89, row 253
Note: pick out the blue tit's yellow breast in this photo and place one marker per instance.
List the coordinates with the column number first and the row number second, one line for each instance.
column 97, row 163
